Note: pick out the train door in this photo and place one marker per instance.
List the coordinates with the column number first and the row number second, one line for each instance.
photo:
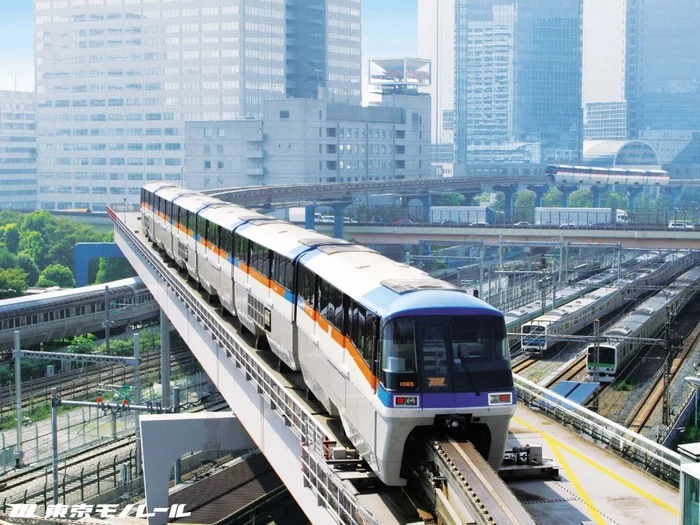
column 192, row 242
column 225, row 285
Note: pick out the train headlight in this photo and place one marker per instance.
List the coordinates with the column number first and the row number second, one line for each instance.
column 406, row 401
column 501, row 398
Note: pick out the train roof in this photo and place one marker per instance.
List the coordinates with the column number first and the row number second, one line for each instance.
column 69, row 296
column 172, row 192
column 155, row 186
column 196, row 201
column 284, row 237
column 227, row 215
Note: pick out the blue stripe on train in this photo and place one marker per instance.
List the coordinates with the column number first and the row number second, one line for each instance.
column 441, row 399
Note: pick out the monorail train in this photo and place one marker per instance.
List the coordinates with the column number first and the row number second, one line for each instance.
column 594, row 176
column 64, row 313
column 646, row 321
column 382, row 346
column 539, row 335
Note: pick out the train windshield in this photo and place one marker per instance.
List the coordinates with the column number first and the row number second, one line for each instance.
column 445, row 354
column 607, row 356
column 533, row 334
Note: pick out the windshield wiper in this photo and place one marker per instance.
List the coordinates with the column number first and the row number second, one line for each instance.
column 468, row 373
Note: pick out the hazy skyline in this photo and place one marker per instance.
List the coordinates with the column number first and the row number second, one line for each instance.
column 389, row 29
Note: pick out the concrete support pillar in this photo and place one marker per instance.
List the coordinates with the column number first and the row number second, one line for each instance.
column 634, row 192
column 509, row 192
column 339, row 218
column 539, row 190
column 202, row 431
column 597, row 191
column 468, row 198
column 565, row 192
column 309, row 219
column 165, row 358
column 425, row 247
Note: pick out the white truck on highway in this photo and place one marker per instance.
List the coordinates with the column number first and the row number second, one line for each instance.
column 579, row 217
column 461, row 215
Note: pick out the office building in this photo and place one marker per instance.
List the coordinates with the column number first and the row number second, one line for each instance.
column 310, row 141
column 436, row 41
column 18, row 184
column 662, row 80
column 518, row 81
column 605, row 121
column 117, row 81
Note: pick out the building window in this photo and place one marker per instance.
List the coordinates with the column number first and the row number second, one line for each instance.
column 284, row 113
column 220, row 149
column 207, row 164
column 220, row 165
column 400, row 164
column 400, row 134
column 331, row 148
column 331, row 165
column 330, row 132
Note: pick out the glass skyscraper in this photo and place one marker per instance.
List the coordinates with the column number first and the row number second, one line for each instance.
column 117, row 79
column 518, row 80
column 17, row 151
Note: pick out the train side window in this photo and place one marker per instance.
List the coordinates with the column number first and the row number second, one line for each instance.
column 46, row 318
column 191, row 219
column 339, row 319
column 241, row 248
column 306, row 285
column 370, row 337
column 351, row 329
column 361, row 315
column 28, row 320
column 51, row 316
column 275, row 269
column 266, row 258
column 168, row 209
column 226, row 240
column 289, row 275
column 4, row 324
column 35, row 319
column 210, row 233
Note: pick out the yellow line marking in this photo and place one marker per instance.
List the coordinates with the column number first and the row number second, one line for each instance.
column 600, row 468
column 595, row 513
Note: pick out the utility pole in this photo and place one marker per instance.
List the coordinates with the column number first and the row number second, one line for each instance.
column 671, row 347
column 107, row 322
column 596, row 360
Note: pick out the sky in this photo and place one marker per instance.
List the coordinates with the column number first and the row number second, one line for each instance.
column 389, row 30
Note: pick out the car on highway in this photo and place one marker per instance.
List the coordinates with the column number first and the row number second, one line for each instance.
column 522, row 224
column 568, row 226
column 681, row 225
column 404, row 222
column 478, row 224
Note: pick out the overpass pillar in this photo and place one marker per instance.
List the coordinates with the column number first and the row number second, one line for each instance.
column 597, row 191
column 83, row 252
column 565, row 192
column 203, row 431
column 309, row 218
column 674, row 192
column 539, row 190
column 634, row 192
column 339, row 218
column 509, row 193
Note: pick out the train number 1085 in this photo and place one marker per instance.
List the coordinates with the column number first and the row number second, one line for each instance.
column 407, row 384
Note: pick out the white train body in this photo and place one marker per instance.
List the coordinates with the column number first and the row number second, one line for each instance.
column 645, row 321
column 382, row 346
column 594, row 176
column 540, row 334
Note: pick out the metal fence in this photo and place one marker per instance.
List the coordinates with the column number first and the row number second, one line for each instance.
column 81, row 429
column 654, row 458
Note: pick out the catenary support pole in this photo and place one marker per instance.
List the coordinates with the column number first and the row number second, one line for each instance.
column 165, row 358
column 18, row 401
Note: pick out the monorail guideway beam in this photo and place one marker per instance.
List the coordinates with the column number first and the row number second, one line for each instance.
column 273, row 415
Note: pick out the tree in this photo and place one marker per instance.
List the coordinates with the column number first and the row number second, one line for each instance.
column 524, row 206
column 37, row 221
column 552, row 199
column 614, row 200
column 26, row 263
column 32, row 243
column 113, row 269
column 13, row 282
column 12, row 237
column 56, row 275
column 582, row 198
column 82, row 344
column 448, row 199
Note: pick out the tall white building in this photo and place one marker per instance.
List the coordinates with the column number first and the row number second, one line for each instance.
column 17, row 151
column 117, row 79
column 309, row 141
column 436, row 42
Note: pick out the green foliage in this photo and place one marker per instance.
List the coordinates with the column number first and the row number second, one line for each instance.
column 483, row 197
column 582, row 198
column 552, row 199
column 7, row 259
column 524, row 206
column 11, row 237
column 112, row 269
column 82, row 344
column 26, row 263
column 448, row 199
column 624, row 385
column 614, row 200
column 56, row 275
column 32, row 243
column 13, row 282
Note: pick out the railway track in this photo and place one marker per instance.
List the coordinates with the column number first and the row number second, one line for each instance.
column 79, row 479
column 640, row 416
column 81, row 383
column 520, row 367
column 574, row 370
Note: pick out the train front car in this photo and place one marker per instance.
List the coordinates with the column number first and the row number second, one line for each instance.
column 444, row 362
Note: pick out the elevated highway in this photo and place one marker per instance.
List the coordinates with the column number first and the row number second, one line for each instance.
column 398, row 234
